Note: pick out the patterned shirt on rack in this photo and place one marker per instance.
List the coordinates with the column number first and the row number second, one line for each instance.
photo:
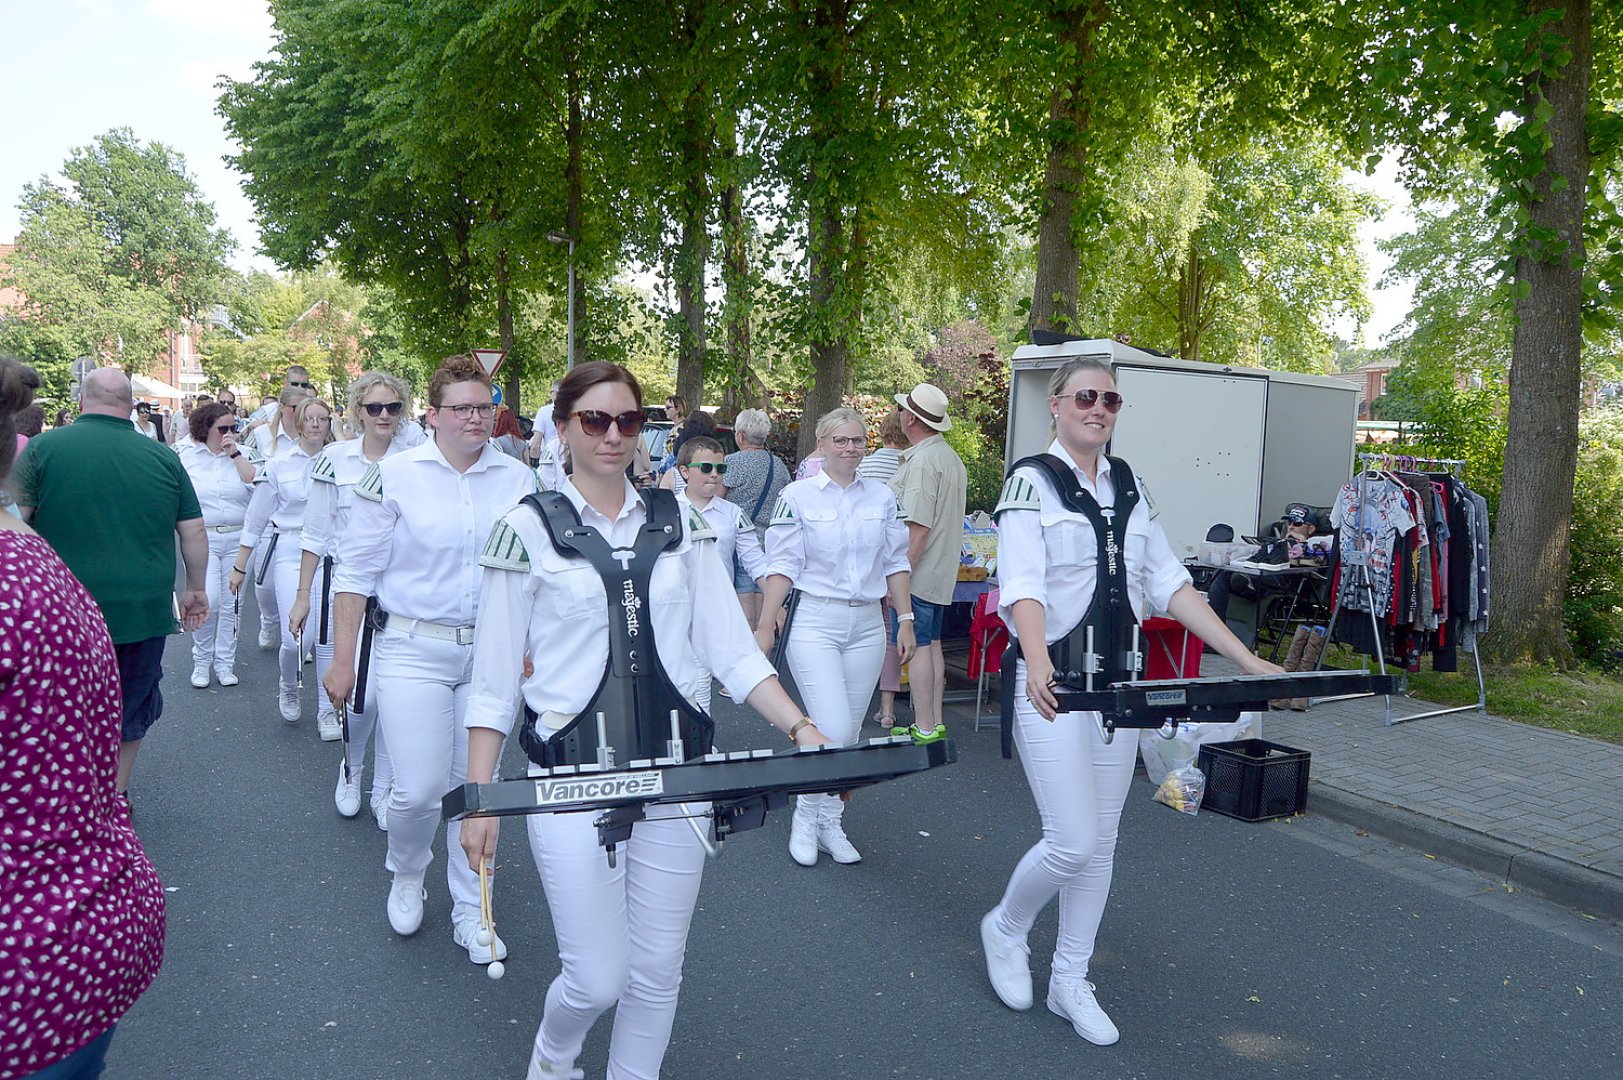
column 1370, row 528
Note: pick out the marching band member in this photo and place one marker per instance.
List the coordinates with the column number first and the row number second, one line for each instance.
column 840, row 541
column 1058, row 555
column 278, row 504
column 622, row 930
column 270, row 437
column 419, row 520
column 222, row 473
column 378, row 400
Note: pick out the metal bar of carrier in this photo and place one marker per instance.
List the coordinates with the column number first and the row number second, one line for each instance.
column 1161, row 703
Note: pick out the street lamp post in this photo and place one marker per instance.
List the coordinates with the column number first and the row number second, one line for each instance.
column 561, row 238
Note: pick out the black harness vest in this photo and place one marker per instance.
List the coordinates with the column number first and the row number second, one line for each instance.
column 636, row 696
column 1102, row 647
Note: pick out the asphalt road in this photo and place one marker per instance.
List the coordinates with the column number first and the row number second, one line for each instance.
column 1230, row 949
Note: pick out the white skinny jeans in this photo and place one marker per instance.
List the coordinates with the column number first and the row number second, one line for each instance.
column 622, row 933
column 1080, row 785
column 423, row 686
column 214, row 644
column 362, row 724
column 835, row 652
column 284, row 577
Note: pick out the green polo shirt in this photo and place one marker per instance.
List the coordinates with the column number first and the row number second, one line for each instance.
column 107, row 498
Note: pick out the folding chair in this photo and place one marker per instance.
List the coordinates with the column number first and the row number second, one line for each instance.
column 988, row 637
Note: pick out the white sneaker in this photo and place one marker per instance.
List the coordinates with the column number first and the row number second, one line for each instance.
column 1008, row 964
column 467, row 934
column 380, row 811
column 226, row 677
column 832, row 839
column 1074, row 1000
column 200, row 676
column 267, row 637
column 541, row 1069
column 288, row 702
column 803, row 838
column 328, row 727
column 347, row 795
column 406, row 896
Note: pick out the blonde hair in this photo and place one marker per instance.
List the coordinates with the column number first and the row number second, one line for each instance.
column 305, row 406
column 369, row 382
column 835, row 417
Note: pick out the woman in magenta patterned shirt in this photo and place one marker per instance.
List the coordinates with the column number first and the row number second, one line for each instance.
column 82, row 906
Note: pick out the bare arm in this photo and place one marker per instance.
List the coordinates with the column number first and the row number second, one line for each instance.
column 1191, row 609
column 347, row 611
column 901, row 601
column 194, row 553
column 917, row 537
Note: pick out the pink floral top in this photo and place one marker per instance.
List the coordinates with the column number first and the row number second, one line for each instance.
column 81, row 908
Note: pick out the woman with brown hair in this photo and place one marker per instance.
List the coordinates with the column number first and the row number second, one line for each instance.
column 222, row 473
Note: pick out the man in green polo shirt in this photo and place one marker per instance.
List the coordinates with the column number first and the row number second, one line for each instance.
column 110, row 501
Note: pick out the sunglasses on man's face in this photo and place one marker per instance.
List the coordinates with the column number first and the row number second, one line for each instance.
column 378, row 408
column 305, row 385
column 596, row 423
column 708, row 467
column 1087, row 399
column 226, row 429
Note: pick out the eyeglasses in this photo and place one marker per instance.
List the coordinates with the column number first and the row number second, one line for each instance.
column 462, row 412
column 596, row 422
column 1087, row 399
column 378, row 408
column 306, row 385
column 226, row 429
column 845, row 442
column 708, row 467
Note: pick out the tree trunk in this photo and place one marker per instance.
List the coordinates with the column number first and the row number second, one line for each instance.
column 504, row 331
column 831, row 323
column 743, row 390
column 1530, row 543
column 694, row 253
column 1053, row 297
column 1191, row 295
column 574, row 133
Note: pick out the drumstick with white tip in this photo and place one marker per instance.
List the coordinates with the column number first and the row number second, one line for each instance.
column 486, row 935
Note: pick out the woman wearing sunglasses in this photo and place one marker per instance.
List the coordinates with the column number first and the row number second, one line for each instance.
column 379, row 400
column 622, row 929
column 223, row 475
column 840, row 541
column 416, row 527
column 277, row 511
column 1048, row 569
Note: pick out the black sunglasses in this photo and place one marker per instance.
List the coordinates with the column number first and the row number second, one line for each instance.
column 378, row 408
column 708, row 467
column 596, row 422
column 306, row 385
column 1086, row 399
column 226, row 429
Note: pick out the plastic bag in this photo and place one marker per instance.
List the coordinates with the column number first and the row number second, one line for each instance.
column 1162, row 756
column 1182, row 789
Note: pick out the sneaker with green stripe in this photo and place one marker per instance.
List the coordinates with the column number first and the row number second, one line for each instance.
column 923, row 738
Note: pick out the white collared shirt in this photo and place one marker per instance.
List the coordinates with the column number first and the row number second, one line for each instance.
column 840, row 543
column 280, row 490
column 268, row 448
column 735, row 534
column 221, row 491
column 416, row 529
column 333, row 477
column 553, row 607
column 1050, row 554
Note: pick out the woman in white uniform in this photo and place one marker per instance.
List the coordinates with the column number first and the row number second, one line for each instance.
column 418, row 523
column 1048, row 570
column 278, row 506
column 222, row 475
column 622, row 930
column 378, row 399
column 840, row 541
column 271, row 438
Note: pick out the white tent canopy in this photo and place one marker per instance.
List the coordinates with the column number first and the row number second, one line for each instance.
column 147, row 386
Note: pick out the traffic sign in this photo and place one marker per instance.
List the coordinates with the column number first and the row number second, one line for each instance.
column 490, row 359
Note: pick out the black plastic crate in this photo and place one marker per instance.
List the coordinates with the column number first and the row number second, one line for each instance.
column 1254, row 779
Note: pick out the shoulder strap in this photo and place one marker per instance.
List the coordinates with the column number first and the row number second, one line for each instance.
column 766, row 485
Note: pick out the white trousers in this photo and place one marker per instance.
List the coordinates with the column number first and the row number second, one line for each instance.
column 265, row 591
column 423, row 686
column 622, row 933
column 363, row 724
column 1080, row 785
column 835, row 652
column 214, row 644
column 284, row 576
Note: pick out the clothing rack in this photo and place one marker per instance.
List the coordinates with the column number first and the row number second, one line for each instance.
column 1358, row 562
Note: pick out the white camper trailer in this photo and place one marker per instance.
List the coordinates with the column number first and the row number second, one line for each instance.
column 1213, row 444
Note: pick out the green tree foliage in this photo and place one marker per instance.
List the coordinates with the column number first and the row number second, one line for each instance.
column 1594, row 593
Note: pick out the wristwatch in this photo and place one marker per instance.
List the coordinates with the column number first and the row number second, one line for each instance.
column 235, row 454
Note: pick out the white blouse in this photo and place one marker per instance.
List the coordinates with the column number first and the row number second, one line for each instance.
column 735, row 534
column 221, row 491
column 280, row 491
column 333, row 477
column 834, row 542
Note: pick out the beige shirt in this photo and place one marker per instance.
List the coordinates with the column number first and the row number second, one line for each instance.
column 931, row 486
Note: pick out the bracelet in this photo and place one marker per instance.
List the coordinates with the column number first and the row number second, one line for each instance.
column 243, row 570
column 235, row 454
column 904, row 618
column 804, row 721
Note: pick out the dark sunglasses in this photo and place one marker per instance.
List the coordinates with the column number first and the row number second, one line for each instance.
column 226, row 429
column 708, row 467
column 378, row 408
column 307, row 386
column 1087, row 399
column 596, row 422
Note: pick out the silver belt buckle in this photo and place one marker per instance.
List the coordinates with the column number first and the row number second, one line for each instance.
column 464, row 635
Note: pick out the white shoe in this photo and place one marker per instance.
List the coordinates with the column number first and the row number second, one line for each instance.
column 406, row 896
column 468, row 934
column 200, row 676
column 288, row 702
column 226, row 677
column 831, row 838
column 1074, row 1000
column 328, row 727
column 803, row 839
column 380, row 811
column 347, row 795
column 541, row 1069
column 1008, row 964
column 267, row 637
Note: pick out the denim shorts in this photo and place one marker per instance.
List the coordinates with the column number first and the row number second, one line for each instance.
column 926, row 621
column 742, row 582
column 140, row 667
